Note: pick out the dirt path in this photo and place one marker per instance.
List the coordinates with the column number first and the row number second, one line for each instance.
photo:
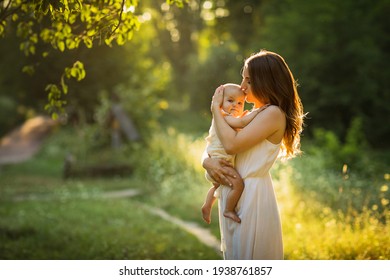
column 23, row 142
column 204, row 235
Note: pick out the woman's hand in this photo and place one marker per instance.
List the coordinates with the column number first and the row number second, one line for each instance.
column 220, row 170
column 217, row 100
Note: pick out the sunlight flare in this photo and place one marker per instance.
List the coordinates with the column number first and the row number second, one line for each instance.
column 130, row 9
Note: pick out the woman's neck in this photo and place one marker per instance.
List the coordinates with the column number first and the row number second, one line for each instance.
column 259, row 104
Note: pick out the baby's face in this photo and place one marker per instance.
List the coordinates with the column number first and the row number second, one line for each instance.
column 233, row 102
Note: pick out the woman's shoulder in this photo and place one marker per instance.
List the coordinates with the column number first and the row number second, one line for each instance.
column 273, row 116
column 276, row 121
column 273, row 111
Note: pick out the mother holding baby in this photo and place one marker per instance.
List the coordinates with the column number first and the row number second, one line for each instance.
column 275, row 131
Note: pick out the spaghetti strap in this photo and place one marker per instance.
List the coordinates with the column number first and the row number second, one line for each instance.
column 264, row 107
column 258, row 110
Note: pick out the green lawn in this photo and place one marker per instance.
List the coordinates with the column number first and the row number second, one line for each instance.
column 324, row 214
column 43, row 216
column 91, row 229
column 55, row 219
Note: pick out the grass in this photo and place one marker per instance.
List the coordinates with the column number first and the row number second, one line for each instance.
column 91, row 229
column 57, row 219
column 324, row 214
column 69, row 220
column 313, row 230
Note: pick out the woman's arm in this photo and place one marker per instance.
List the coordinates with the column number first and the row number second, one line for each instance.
column 263, row 126
column 242, row 121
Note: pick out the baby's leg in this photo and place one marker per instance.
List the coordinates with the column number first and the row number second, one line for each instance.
column 208, row 204
column 233, row 197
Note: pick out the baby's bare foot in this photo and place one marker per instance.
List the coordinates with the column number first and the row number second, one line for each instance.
column 206, row 213
column 232, row 215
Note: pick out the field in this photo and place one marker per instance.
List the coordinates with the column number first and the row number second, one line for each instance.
column 327, row 213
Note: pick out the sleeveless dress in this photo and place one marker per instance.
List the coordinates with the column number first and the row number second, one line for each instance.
column 259, row 235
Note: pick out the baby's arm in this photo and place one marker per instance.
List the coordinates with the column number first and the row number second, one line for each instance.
column 243, row 121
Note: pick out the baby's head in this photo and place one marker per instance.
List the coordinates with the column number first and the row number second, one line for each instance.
column 233, row 100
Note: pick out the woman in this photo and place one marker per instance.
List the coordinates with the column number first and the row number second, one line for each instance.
column 267, row 81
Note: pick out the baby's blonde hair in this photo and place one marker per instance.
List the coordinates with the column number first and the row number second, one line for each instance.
column 232, row 87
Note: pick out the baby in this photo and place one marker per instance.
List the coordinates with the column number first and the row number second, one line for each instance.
column 233, row 108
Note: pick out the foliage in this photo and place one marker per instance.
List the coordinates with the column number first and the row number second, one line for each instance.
column 193, row 48
column 345, row 211
column 122, row 70
column 220, row 65
column 326, row 174
column 326, row 144
column 338, row 52
column 317, row 229
column 65, row 25
column 176, row 29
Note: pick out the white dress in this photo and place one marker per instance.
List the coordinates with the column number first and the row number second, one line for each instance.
column 259, row 235
column 215, row 149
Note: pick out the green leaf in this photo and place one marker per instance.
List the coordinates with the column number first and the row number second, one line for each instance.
column 72, row 18
column 80, row 4
column 61, row 45
column 34, row 38
column 31, row 49
column 74, row 72
column 47, row 88
column 91, row 32
column 108, row 41
column 88, row 42
column 120, row 40
column 71, row 44
column 29, row 69
column 81, row 71
column 178, row 3
column 64, row 85
column 54, row 116
column 2, row 25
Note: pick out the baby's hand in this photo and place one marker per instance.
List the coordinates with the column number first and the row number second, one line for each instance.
column 217, row 98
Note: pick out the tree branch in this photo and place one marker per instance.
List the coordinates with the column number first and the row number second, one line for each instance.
column 4, row 14
column 120, row 18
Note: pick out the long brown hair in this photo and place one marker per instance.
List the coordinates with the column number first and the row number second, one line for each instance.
column 272, row 82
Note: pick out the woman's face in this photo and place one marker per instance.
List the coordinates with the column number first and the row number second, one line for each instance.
column 246, row 86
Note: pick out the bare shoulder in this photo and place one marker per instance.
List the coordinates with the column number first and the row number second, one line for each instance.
column 273, row 117
column 274, row 112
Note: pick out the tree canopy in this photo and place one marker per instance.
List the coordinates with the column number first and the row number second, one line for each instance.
column 337, row 50
column 64, row 25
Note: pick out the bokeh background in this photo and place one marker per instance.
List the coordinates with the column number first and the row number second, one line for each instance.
column 138, row 121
